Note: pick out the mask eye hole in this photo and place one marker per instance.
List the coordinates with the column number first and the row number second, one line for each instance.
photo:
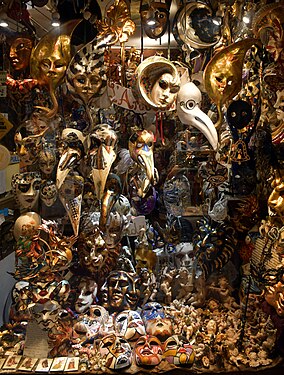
column 121, row 319
column 233, row 114
column 163, row 84
column 24, row 188
column 190, row 104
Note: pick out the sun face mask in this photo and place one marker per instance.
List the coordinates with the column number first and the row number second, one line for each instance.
column 154, row 18
column 26, row 187
column 188, row 110
column 116, row 351
column 102, row 154
column 156, row 83
column 20, row 52
column 178, row 351
column 50, row 58
column 148, row 351
column 129, row 324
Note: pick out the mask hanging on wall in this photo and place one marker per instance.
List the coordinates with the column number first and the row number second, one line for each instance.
column 154, row 18
column 26, row 225
column 26, row 187
column 47, row 159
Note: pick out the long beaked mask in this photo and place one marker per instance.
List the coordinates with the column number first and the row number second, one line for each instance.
column 188, row 110
column 116, row 351
column 178, row 351
column 86, row 73
column 26, row 187
column 50, row 58
column 141, row 146
column 73, row 151
column 223, row 74
column 148, row 351
column 71, row 195
column 157, row 13
column 102, row 154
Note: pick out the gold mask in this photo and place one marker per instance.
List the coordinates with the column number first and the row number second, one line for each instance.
column 223, row 74
column 20, row 53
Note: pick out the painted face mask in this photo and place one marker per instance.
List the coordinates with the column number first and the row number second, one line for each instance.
column 20, row 52
column 114, row 229
column 71, row 195
column 116, row 351
column 28, row 146
column 152, row 310
column 148, row 351
column 129, row 324
column 156, row 83
column 188, row 110
column 154, row 18
column 27, row 225
column 102, row 155
column 46, row 315
column 159, row 327
column 86, row 73
column 49, row 60
column 25, row 187
column 178, row 351
column 88, row 291
column 52, row 292
column 73, row 151
column 123, row 291
column 47, row 160
column 223, row 74
column 176, row 194
column 48, row 193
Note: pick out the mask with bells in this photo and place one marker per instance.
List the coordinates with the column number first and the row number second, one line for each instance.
column 47, row 160
column 129, row 324
column 116, row 352
column 73, row 151
column 123, row 291
column 178, row 351
column 188, row 110
column 102, row 153
column 148, row 351
column 152, row 310
column 25, row 187
column 20, row 52
column 48, row 193
column 154, row 18
column 88, row 291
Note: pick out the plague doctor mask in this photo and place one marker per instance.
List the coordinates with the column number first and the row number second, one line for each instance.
column 25, row 187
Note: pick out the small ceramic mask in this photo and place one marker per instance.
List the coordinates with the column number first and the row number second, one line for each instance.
column 71, row 195
column 20, row 52
column 188, row 110
column 48, row 193
column 152, row 310
column 27, row 225
column 159, row 327
column 116, row 352
column 129, row 324
column 46, row 315
column 28, row 146
column 154, row 18
column 88, row 291
column 47, row 159
column 86, row 73
column 156, row 83
column 148, row 351
column 73, row 151
column 123, row 291
column 102, row 154
column 178, row 351
column 25, row 187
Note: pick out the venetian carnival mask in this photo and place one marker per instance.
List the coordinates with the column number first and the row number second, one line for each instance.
column 44, row 292
column 25, row 187
column 122, row 291
column 188, row 110
column 178, row 351
column 86, row 73
column 239, row 114
column 223, row 74
column 28, row 146
column 114, row 229
column 71, row 196
column 46, row 315
column 20, row 52
column 176, row 194
column 156, row 83
column 279, row 105
column 116, row 352
column 152, row 310
column 102, row 153
column 159, row 327
column 145, row 258
column 26, row 225
column 48, row 193
column 148, row 351
column 274, row 295
column 129, row 324
column 154, row 18
column 88, row 291
column 47, row 160
column 276, row 199
column 73, row 151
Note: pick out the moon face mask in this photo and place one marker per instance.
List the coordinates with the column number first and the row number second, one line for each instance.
column 154, row 18
column 178, row 351
column 102, row 154
column 156, row 83
column 20, row 52
column 116, row 351
column 188, row 110
column 26, row 187
column 148, row 351
column 129, row 324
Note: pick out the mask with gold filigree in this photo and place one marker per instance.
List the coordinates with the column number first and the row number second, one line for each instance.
column 276, row 199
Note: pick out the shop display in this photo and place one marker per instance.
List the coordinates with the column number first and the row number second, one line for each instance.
column 148, row 229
